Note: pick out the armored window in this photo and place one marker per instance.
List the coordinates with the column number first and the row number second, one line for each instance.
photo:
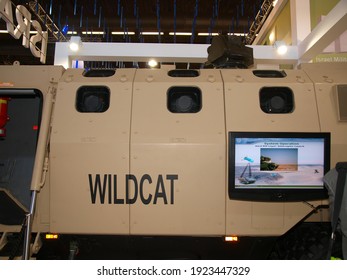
column 276, row 100
column 184, row 100
column 92, row 99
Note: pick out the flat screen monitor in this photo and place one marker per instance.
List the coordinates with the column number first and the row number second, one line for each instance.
column 278, row 166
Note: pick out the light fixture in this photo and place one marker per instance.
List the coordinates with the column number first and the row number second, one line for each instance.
column 51, row 236
column 281, row 47
column 75, row 43
column 152, row 33
column 231, row 239
column 237, row 34
column 123, row 33
column 208, row 34
column 152, row 63
column 180, row 33
column 93, row 32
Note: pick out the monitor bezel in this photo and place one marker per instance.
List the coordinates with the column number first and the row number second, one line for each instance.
column 275, row 194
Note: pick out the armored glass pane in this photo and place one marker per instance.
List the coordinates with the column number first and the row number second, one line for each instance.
column 276, row 100
column 184, row 100
column 92, row 99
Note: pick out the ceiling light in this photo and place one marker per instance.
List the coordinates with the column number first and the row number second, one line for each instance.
column 152, row 33
column 281, row 47
column 238, row 34
column 122, row 33
column 207, row 34
column 180, row 33
column 75, row 43
column 93, row 32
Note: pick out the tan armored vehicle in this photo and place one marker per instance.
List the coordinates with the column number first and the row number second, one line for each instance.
column 129, row 157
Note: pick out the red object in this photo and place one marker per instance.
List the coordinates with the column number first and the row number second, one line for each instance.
column 3, row 115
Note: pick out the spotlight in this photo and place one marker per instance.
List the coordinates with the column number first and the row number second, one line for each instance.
column 281, row 47
column 152, row 63
column 75, row 43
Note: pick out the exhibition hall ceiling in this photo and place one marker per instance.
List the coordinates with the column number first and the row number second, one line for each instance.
column 139, row 21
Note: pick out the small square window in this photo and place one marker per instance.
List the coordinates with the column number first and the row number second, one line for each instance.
column 184, row 100
column 276, row 100
column 92, row 99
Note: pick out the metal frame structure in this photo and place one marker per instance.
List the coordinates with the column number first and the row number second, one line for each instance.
column 259, row 20
column 45, row 19
column 313, row 44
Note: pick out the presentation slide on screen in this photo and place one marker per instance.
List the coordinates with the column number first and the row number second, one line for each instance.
column 279, row 162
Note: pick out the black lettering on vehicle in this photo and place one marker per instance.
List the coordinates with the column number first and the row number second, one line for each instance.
column 107, row 187
column 94, row 187
column 160, row 190
column 127, row 189
column 116, row 200
column 144, row 200
column 172, row 192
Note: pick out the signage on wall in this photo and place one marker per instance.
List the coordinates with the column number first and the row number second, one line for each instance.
column 331, row 57
column 22, row 28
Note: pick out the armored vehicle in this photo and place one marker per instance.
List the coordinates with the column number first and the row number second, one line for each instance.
column 144, row 156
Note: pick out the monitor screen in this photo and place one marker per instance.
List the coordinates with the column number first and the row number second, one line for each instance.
column 278, row 166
